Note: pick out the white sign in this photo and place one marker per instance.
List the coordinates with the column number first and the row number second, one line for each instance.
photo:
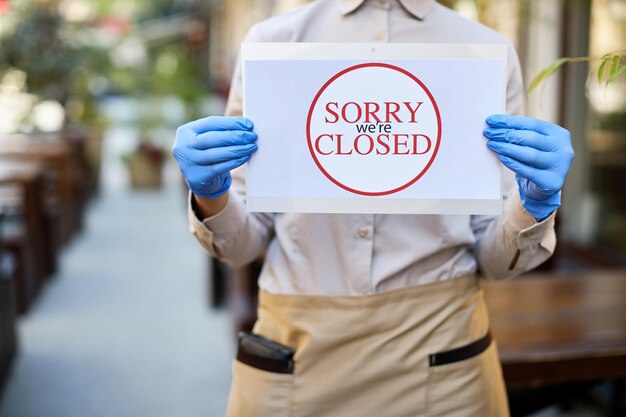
column 373, row 128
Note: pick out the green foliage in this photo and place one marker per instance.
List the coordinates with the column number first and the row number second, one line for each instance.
column 547, row 72
column 152, row 9
column 36, row 46
column 184, row 79
column 62, row 59
column 610, row 67
column 58, row 66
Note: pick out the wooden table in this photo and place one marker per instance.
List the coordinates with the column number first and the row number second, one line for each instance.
column 554, row 328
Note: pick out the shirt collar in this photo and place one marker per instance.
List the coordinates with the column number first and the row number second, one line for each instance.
column 418, row 8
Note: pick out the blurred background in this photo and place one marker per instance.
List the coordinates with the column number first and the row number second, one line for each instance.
column 108, row 307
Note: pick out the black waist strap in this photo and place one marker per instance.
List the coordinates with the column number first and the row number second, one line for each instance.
column 460, row 353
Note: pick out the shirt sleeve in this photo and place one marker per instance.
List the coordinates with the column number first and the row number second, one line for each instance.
column 233, row 235
column 514, row 242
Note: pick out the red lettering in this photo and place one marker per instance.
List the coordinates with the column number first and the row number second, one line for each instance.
column 356, row 144
column 382, row 143
column 332, row 112
column 369, row 112
column 390, row 112
column 365, row 144
column 413, row 110
column 359, row 112
column 317, row 144
column 397, row 144
column 339, row 137
column 428, row 141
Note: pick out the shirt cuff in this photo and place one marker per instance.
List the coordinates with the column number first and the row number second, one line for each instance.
column 219, row 232
column 529, row 231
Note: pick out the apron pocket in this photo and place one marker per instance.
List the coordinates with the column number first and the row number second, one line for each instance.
column 258, row 393
column 465, row 382
column 461, row 353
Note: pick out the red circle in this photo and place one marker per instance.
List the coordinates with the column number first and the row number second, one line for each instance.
column 330, row 81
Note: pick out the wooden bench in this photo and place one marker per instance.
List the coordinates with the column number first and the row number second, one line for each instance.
column 16, row 241
column 32, row 231
column 8, row 335
column 64, row 168
column 35, row 209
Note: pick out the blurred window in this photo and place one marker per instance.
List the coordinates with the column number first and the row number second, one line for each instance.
column 607, row 127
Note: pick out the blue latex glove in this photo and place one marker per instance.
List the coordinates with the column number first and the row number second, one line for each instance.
column 539, row 152
column 208, row 149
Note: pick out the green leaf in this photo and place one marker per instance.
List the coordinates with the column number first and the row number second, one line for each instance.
column 614, row 69
column 620, row 71
column 547, row 72
column 601, row 69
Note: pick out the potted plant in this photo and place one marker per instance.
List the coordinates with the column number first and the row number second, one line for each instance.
column 145, row 166
column 145, row 163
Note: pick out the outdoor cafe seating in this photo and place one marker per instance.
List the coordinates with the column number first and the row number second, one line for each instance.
column 43, row 196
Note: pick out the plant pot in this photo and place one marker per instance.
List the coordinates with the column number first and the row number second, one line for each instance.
column 145, row 172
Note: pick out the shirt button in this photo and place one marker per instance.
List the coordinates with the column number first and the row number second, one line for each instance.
column 380, row 36
column 363, row 232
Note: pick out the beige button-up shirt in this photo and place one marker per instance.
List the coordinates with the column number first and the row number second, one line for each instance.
column 355, row 254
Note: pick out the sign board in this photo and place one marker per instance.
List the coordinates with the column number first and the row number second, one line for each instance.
column 373, row 128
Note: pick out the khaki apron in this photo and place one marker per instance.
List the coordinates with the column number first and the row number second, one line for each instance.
column 372, row 356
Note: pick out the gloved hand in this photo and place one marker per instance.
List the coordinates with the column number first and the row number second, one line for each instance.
column 539, row 152
column 208, row 149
